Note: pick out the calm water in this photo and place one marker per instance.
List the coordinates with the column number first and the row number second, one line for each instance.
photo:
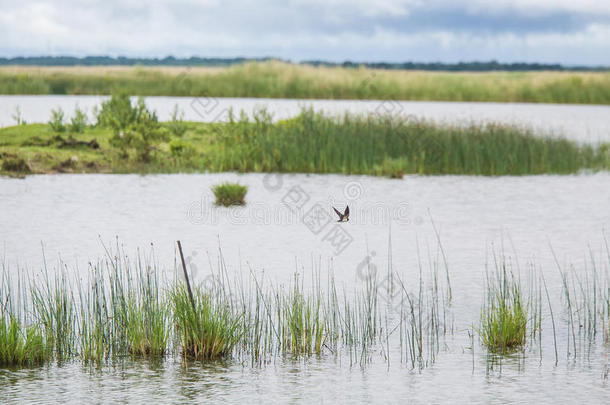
column 586, row 123
column 73, row 214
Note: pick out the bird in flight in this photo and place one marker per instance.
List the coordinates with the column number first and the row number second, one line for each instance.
column 343, row 217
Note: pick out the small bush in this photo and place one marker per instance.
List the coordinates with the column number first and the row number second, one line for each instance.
column 133, row 126
column 57, row 120
column 230, row 194
column 78, row 123
column 116, row 113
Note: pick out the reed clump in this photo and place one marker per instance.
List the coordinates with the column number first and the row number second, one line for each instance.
column 20, row 345
column 302, row 323
column 381, row 144
column 207, row 329
column 22, row 340
column 504, row 318
column 228, row 194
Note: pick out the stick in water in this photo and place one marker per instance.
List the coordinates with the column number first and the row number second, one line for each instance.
column 186, row 276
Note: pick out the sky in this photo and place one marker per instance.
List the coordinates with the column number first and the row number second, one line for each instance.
column 570, row 32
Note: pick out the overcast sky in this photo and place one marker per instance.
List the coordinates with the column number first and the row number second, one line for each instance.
column 549, row 31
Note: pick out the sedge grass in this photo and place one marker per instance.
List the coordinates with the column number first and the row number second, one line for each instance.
column 207, row 330
column 22, row 340
column 504, row 318
column 21, row 345
column 123, row 307
column 230, row 194
column 315, row 143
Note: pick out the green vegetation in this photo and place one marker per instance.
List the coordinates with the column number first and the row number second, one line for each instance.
column 207, row 329
column 22, row 341
column 272, row 79
column 20, row 346
column 57, row 120
column 123, row 307
column 120, row 309
column 301, row 322
column 78, row 123
column 230, row 194
column 504, row 318
column 14, row 165
column 127, row 137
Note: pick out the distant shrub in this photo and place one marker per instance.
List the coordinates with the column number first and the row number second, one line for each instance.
column 57, row 120
column 117, row 113
column 230, row 194
column 133, row 126
column 78, row 123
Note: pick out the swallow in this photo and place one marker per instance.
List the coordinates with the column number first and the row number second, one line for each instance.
column 343, row 217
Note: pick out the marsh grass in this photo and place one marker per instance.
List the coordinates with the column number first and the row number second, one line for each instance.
column 275, row 79
column 22, row 341
column 54, row 305
column 230, row 194
column 21, row 345
column 504, row 318
column 385, row 145
column 128, row 138
column 124, row 306
column 302, row 323
column 119, row 309
column 586, row 299
column 207, row 329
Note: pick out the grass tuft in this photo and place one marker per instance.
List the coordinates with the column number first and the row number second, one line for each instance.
column 504, row 319
column 230, row 194
column 207, row 329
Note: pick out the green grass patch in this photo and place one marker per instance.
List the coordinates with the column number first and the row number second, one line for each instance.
column 206, row 328
column 19, row 345
column 504, row 319
column 230, row 194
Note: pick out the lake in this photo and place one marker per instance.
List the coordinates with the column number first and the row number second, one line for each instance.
column 536, row 222
column 522, row 217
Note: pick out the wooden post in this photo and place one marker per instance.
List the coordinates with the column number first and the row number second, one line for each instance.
column 186, row 276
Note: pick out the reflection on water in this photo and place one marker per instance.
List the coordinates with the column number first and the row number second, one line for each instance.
column 522, row 215
column 586, row 123
column 517, row 380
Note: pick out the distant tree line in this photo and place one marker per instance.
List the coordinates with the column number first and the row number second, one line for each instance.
column 197, row 61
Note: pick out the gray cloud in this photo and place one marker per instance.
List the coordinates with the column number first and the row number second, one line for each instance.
column 391, row 30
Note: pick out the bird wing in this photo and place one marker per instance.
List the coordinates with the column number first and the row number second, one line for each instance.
column 338, row 213
column 346, row 213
